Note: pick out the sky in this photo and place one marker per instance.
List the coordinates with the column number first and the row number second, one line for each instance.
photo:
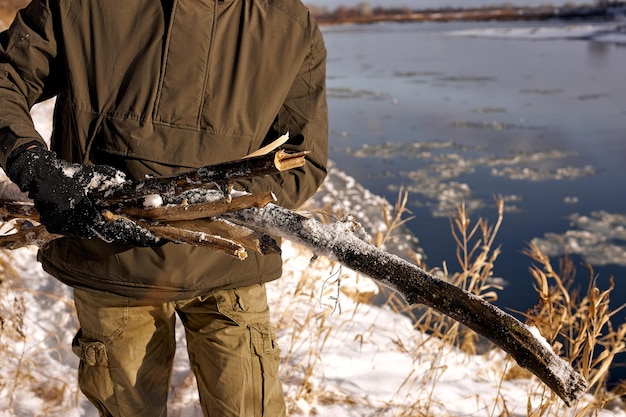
column 425, row 4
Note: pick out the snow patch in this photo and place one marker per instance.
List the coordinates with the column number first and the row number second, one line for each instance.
column 152, row 201
column 70, row 170
column 598, row 32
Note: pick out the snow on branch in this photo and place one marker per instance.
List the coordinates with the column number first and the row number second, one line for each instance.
column 236, row 225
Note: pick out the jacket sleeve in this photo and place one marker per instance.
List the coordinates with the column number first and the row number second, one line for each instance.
column 28, row 53
column 304, row 114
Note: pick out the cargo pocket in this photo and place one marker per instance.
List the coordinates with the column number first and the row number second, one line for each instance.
column 245, row 305
column 266, row 359
column 92, row 352
column 94, row 377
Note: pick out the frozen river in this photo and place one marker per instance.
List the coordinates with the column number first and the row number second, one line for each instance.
column 465, row 112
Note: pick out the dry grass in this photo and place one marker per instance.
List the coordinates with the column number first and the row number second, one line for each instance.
column 22, row 357
column 11, row 327
column 577, row 324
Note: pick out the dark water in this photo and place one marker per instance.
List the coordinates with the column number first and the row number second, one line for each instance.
column 488, row 98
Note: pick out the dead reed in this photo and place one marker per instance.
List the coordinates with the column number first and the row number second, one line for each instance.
column 312, row 320
column 577, row 324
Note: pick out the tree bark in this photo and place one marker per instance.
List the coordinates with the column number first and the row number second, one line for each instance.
column 338, row 242
column 200, row 210
column 417, row 286
column 220, row 174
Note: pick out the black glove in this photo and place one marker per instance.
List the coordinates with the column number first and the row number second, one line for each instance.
column 60, row 192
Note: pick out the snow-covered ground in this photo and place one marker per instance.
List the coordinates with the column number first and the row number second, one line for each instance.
column 341, row 357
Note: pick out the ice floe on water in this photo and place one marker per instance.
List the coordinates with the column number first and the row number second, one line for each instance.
column 599, row 238
column 442, row 164
column 597, row 32
column 525, row 173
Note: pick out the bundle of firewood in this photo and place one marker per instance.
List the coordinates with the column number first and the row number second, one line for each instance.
column 187, row 208
column 199, row 208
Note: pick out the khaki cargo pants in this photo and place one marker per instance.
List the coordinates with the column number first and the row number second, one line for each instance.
column 126, row 348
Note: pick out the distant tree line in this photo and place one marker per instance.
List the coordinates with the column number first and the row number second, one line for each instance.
column 361, row 9
column 364, row 12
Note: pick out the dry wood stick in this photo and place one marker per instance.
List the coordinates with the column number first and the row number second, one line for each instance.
column 419, row 287
column 200, row 210
column 25, row 236
column 249, row 239
column 226, row 172
column 10, row 210
column 192, row 237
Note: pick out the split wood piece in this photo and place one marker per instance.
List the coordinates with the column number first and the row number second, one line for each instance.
column 10, row 210
column 269, row 147
column 226, row 172
column 192, row 237
column 212, row 233
column 249, row 239
column 35, row 235
column 181, row 212
column 417, row 286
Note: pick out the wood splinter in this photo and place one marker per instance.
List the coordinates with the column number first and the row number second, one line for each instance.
column 27, row 235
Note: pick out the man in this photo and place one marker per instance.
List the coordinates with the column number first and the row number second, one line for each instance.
column 155, row 88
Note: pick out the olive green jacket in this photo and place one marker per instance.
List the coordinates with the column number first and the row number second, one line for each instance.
column 159, row 87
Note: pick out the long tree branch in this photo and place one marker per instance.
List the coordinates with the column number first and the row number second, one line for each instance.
column 419, row 287
column 337, row 242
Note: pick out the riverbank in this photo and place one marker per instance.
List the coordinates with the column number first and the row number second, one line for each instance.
column 356, row 16
column 503, row 14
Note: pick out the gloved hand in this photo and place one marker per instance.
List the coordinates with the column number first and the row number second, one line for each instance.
column 60, row 192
